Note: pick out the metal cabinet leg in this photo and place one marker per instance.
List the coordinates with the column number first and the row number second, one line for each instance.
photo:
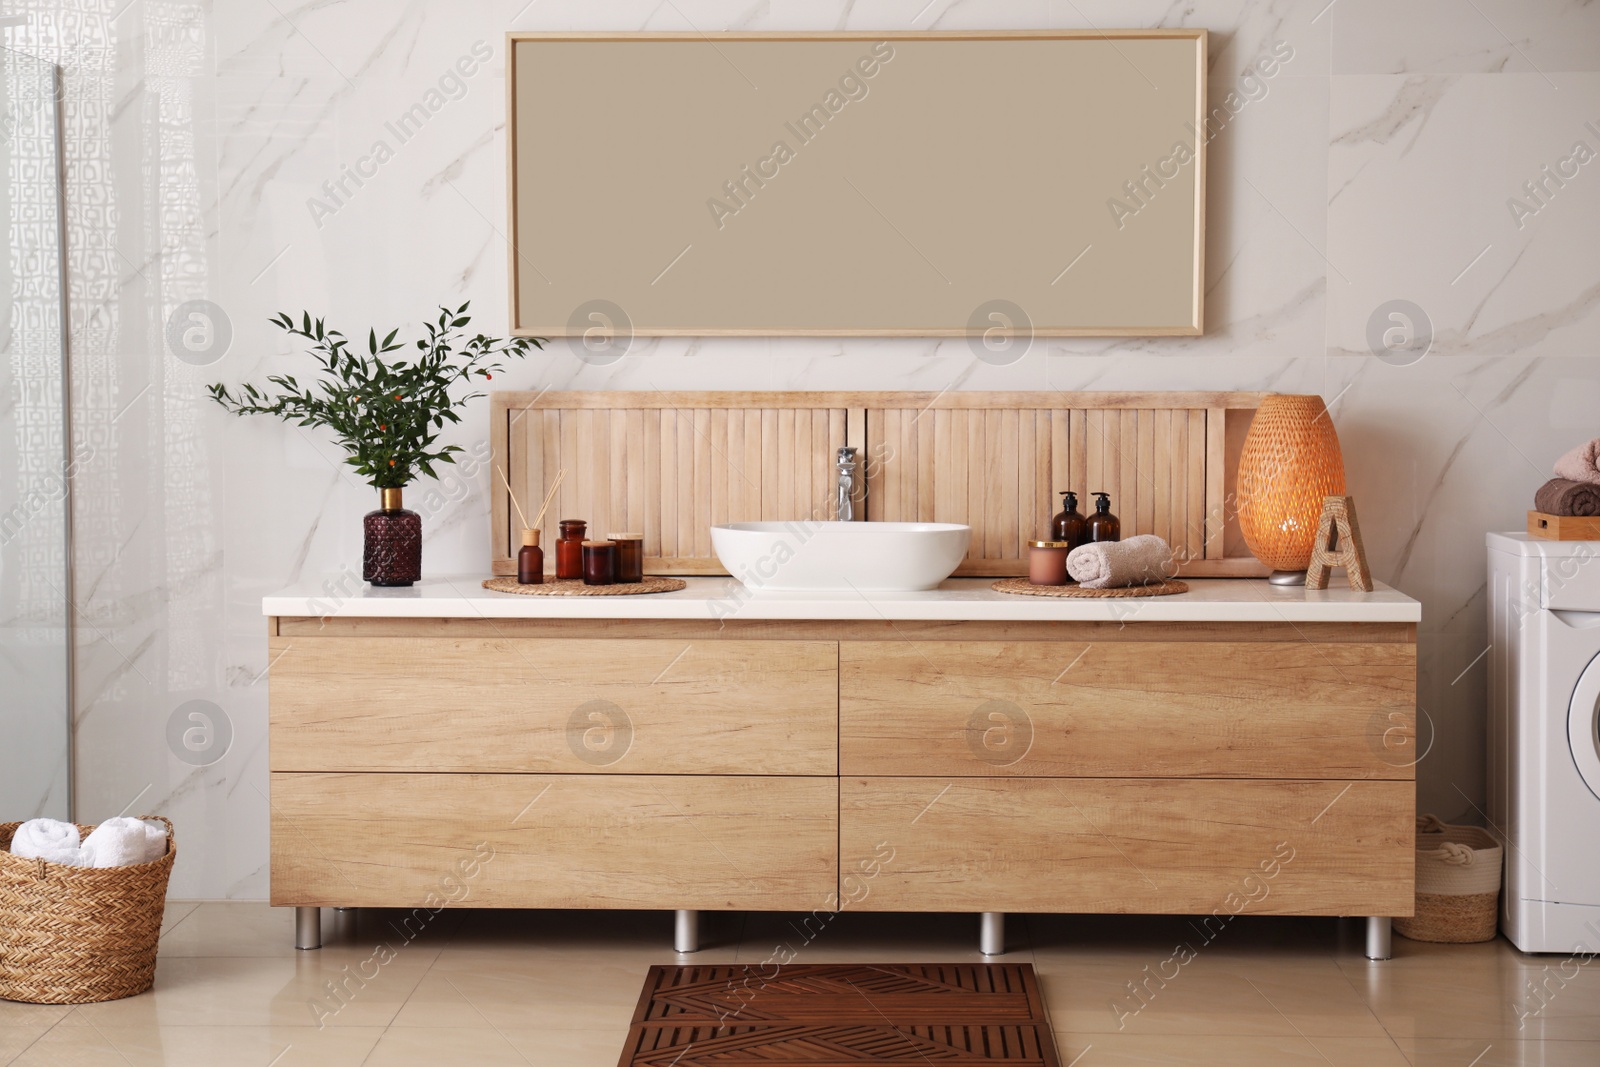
column 1379, row 931
column 345, row 921
column 992, row 933
column 686, row 931
column 307, row 928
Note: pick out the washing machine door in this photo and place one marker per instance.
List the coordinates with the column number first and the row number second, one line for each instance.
column 1583, row 726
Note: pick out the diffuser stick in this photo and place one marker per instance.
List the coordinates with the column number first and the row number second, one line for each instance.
column 560, row 474
column 513, row 494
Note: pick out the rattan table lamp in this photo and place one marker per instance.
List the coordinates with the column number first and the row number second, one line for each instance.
column 1290, row 463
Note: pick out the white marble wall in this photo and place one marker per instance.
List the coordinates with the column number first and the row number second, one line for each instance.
column 1377, row 167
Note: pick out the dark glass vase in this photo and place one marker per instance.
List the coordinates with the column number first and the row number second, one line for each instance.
column 393, row 553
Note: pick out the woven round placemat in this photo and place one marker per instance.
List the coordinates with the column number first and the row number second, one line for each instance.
column 1023, row 587
column 575, row 587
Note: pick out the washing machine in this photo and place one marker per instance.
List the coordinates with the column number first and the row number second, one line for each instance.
column 1544, row 738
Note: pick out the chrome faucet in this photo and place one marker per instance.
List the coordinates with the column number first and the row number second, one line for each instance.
column 845, row 494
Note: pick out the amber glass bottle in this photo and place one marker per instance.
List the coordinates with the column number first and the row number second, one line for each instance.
column 530, row 560
column 1069, row 525
column 1102, row 525
column 569, row 548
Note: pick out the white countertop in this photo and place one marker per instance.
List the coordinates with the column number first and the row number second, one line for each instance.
column 958, row 599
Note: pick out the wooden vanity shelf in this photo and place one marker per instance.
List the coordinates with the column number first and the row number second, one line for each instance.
column 673, row 464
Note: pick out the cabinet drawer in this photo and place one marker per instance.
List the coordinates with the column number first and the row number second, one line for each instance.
column 573, row 706
column 1125, row 845
column 1182, row 709
column 554, row 841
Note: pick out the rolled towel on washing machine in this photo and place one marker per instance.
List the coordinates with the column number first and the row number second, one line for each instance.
column 1582, row 464
column 1562, row 496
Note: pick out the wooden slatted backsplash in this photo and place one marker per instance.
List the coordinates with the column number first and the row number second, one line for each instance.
column 668, row 465
column 1000, row 470
column 673, row 464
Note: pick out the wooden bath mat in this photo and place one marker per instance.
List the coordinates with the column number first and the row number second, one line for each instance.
column 841, row 1014
column 1022, row 587
column 575, row 587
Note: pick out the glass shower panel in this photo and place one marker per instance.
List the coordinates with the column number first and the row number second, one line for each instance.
column 35, row 464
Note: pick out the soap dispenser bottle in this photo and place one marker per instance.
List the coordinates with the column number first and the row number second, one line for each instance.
column 1102, row 525
column 1069, row 525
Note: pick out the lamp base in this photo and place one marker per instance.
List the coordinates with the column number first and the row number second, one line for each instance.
column 1287, row 578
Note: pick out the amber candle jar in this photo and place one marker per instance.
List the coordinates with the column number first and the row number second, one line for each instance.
column 628, row 557
column 569, row 548
column 598, row 563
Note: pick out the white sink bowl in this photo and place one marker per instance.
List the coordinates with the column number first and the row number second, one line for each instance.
column 862, row 556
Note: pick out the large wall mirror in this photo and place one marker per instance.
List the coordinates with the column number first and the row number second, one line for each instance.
column 850, row 184
column 35, row 581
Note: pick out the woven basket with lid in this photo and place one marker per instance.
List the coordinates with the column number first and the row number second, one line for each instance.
column 77, row 935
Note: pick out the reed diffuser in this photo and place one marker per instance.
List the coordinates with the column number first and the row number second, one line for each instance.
column 530, row 557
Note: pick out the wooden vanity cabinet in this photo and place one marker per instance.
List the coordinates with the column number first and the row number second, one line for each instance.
column 909, row 766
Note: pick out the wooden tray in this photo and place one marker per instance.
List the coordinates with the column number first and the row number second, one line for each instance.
column 1563, row 527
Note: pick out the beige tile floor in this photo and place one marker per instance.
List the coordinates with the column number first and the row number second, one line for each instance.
column 558, row 988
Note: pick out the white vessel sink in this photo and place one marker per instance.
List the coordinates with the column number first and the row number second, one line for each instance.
column 878, row 556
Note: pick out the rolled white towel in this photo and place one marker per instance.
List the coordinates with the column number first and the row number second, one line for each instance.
column 49, row 839
column 1139, row 560
column 123, row 842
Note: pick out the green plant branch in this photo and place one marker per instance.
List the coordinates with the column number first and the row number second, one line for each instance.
column 386, row 415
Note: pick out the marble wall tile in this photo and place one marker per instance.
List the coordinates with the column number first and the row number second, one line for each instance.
column 1466, row 195
column 1427, row 204
column 1376, row 165
column 1463, row 36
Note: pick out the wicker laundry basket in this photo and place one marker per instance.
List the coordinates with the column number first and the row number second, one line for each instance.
column 76, row 935
column 1458, row 884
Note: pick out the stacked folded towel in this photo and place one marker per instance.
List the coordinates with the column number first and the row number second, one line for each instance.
column 119, row 842
column 1575, row 489
column 1140, row 560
